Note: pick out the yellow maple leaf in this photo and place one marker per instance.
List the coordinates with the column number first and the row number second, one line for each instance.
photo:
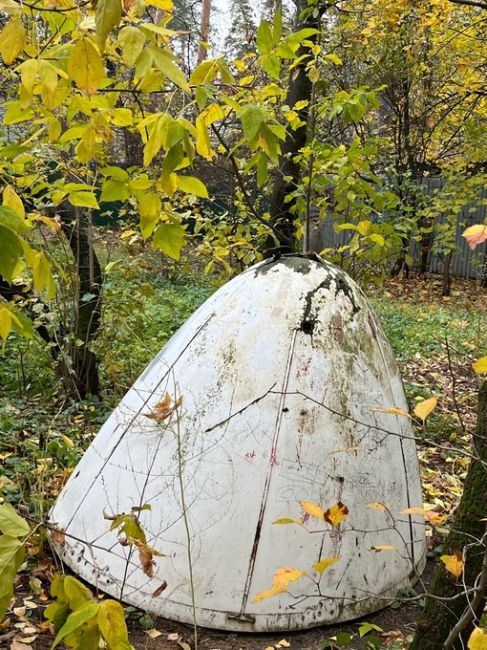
column 282, row 578
column 425, row 408
column 336, row 514
column 480, row 366
column 453, row 563
column 285, row 575
column 478, row 640
column 325, row 563
column 268, row 593
column 312, row 509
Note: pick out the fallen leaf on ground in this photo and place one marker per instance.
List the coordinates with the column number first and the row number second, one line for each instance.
column 18, row 645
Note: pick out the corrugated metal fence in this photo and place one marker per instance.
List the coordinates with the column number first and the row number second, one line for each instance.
column 465, row 263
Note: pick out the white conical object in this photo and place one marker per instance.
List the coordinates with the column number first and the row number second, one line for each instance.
column 283, row 373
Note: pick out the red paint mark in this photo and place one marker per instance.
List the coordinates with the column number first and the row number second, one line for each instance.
column 250, row 454
column 298, row 456
column 304, row 369
column 298, row 448
column 274, row 458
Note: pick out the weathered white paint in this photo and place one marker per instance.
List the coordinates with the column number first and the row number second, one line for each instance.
column 279, row 372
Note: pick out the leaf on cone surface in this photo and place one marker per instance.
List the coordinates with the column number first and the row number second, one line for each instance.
column 160, row 589
column 282, row 578
column 312, row 509
column 146, row 556
column 393, row 410
column 478, row 640
column 323, row 564
column 475, row 235
column 383, row 547
column 376, row 505
column 164, row 409
column 480, row 366
column 425, row 408
column 336, row 514
column 453, row 563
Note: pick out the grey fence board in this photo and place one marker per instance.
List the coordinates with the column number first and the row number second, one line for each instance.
column 465, row 263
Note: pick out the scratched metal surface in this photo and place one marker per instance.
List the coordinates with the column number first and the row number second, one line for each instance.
column 279, row 373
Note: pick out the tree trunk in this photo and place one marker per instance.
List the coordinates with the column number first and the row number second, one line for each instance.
column 401, row 262
column 483, row 275
column 446, row 283
column 289, row 172
column 440, row 616
column 80, row 369
column 426, row 241
column 204, row 30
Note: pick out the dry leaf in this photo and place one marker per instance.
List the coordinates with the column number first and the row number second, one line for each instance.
column 153, row 634
column 393, row 410
column 312, row 509
column 434, row 518
column 414, row 511
column 475, row 235
column 382, row 547
column 282, row 578
column 184, row 645
column 18, row 645
column 283, row 643
column 174, row 636
column 376, row 505
column 425, row 408
column 19, row 611
column 160, row 589
column 453, row 563
column 58, row 536
column 336, row 514
column 325, row 563
column 164, row 409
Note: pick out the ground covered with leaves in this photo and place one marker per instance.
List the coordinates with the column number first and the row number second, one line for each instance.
column 43, row 434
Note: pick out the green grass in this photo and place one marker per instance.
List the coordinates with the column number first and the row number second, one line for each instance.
column 422, row 329
column 138, row 319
